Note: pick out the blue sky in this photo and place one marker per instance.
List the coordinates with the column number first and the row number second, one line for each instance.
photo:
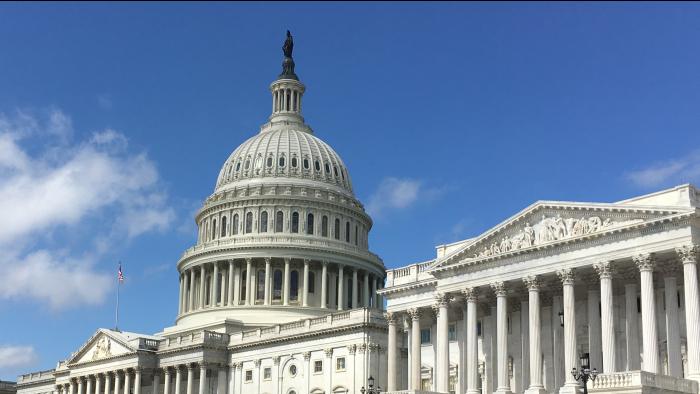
column 115, row 120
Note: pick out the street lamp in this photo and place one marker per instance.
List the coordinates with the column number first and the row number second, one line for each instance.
column 585, row 373
column 370, row 387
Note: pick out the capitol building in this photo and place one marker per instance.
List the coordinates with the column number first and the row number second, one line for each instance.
column 281, row 294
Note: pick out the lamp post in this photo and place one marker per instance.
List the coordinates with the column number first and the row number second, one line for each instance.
column 370, row 387
column 585, row 373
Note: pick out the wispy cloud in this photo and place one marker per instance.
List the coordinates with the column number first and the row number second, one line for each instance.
column 673, row 171
column 50, row 183
column 12, row 357
column 400, row 193
column 104, row 100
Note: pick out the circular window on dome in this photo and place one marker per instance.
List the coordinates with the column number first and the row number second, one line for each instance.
column 317, row 165
column 281, row 161
column 269, row 161
column 306, row 163
column 294, row 162
column 293, row 370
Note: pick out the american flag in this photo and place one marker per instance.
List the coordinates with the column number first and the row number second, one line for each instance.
column 120, row 275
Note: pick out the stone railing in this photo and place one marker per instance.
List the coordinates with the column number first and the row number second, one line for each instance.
column 334, row 320
column 631, row 379
column 408, row 274
column 36, row 377
column 263, row 240
column 7, row 386
column 194, row 338
column 148, row 344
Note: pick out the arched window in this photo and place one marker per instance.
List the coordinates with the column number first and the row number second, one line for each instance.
column 294, row 285
column 295, row 222
column 244, row 279
column 277, row 285
column 347, row 231
column 260, row 289
column 306, row 163
column 335, row 171
column 312, row 282
column 324, row 226
column 238, row 166
column 213, row 229
column 317, row 166
column 279, row 222
column 234, row 225
column 328, row 168
column 355, row 235
column 281, row 161
column 294, row 162
column 269, row 161
column 263, row 222
column 310, row 224
column 247, row 164
column 336, row 229
column 223, row 226
column 249, row 222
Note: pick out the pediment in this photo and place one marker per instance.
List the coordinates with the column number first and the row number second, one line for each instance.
column 546, row 224
column 103, row 344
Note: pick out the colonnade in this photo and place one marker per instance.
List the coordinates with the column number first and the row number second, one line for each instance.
column 274, row 281
column 121, row 381
column 601, row 326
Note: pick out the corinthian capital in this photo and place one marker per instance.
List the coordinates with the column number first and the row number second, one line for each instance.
column 499, row 288
column 470, row 294
column 532, row 282
column 441, row 299
column 604, row 269
column 645, row 262
column 566, row 276
column 688, row 253
column 414, row 313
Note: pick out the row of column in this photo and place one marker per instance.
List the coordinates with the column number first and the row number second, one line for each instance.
column 286, row 100
column 101, row 383
column 602, row 347
column 230, row 293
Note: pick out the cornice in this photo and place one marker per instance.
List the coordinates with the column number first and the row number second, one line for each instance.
column 407, row 286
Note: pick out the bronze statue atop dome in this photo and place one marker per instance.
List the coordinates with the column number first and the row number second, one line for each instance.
column 288, row 62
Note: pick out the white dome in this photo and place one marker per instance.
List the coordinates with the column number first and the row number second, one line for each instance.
column 284, row 153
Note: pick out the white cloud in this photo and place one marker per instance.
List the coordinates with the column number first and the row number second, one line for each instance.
column 675, row 171
column 104, row 100
column 396, row 193
column 48, row 186
column 16, row 356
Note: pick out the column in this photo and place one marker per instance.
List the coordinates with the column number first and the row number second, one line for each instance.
column 222, row 291
column 156, row 382
column 305, row 293
column 214, row 285
column 268, row 272
column 365, row 291
column 415, row 349
column 230, row 283
column 632, row 327
column 251, row 282
column 80, row 387
column 192, row 275
column 472, row 361
column 108, row 383
column 127, row 381
column 328, row 370
column 221, row 380
column 137, row 380
column 650, row 346
column 98, row 383
column 392, row 352
column 71, row 387
column 89, row 385
column 594, row 329
column 202, row 287
column 557, row 340
column 202, row 378
column 607, row 317
column 285, row 284
column 570, row 357
column 178, row 379
column 341, row 293
column 324, row 285
column 353, row 301
column 117, row 382
column 232, row 379
column 502, row 336
column 673, row 336
column 166, row 378
column 372, row 302
column 688, row 255
column 190, row 378
column 442, row 358
column 180, row 305
column 535, row 327
column 237, row 284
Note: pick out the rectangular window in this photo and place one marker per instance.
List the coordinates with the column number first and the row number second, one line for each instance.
column 249, row 375
column 424, row 336
column 267, row 373
column 478, row 328
column 318, row 366
column 340, row 364
column 452, row 332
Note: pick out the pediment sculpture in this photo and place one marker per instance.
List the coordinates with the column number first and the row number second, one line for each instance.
column 550, row 229
column 103, row 348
